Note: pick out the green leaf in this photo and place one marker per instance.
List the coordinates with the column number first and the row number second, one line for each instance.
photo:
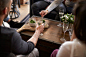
column 43, row 21
column 32, row 21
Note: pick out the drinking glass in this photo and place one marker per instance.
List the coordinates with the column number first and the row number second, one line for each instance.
column 65, row 28
column 70, row 29
column 39, row 23
column 61, row 13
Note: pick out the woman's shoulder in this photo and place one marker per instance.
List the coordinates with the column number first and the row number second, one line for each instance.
column 75, row 42
column 67, row 44
column 65, row 49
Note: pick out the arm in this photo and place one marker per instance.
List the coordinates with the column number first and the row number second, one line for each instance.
column 19, row 46
column 34, row 38
column 54, row 4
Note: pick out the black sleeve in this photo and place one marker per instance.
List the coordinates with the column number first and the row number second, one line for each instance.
column 19, row 46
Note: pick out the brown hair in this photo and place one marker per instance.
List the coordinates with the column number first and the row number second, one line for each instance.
column 80, row 20
column 3, row 4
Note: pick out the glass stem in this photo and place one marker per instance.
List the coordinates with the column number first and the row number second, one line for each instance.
column 60, row 19
column 64, row 35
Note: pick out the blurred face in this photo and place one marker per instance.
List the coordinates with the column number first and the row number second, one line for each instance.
column 8, row 9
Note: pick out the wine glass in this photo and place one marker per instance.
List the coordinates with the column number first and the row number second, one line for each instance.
column 65, row 28
column 61, row 13
column 70, row 30
column 39, row 23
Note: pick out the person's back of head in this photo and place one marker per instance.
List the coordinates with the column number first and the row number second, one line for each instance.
column 5, row 4
column 80, row 20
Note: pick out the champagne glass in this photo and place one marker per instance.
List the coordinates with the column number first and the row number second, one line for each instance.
column 70, row 30
column 65, row 28
column 61, row 13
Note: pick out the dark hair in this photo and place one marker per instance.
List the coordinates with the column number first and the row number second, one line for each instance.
column 73, row 0
column 80, row 20
column 3, row 4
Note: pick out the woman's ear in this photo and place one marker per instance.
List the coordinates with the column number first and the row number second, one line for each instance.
column 5, row 10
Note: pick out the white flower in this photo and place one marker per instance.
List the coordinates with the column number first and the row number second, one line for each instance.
column 71, row 18
column 67, row 17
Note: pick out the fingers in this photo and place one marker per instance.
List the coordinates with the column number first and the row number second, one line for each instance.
column 40, row 28
column 43, row 13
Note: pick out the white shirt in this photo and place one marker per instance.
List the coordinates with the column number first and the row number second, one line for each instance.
column 73, row 48
column 54, row 4
column 5, row 24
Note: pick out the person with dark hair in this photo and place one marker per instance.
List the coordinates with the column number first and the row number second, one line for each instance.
column 77, row 47
column 11, row 42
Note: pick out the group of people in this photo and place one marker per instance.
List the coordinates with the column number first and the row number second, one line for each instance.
column 11, row 42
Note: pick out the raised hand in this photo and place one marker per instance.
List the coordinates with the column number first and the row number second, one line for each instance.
column 43, row 13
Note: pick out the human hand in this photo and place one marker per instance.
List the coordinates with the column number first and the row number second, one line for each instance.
column 43, row 13
column 40, row 28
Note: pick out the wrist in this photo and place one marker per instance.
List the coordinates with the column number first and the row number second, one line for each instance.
column 46, row 11
column 38, row 31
